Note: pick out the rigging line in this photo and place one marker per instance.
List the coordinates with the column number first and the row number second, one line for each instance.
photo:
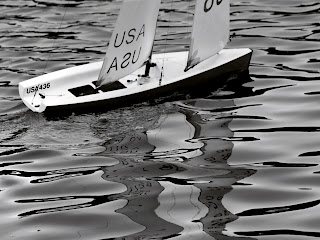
column 65, row 11
column 165, row 45
column 188, row 41
column 37, row 88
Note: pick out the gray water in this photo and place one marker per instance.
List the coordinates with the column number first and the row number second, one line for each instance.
column 239, row 163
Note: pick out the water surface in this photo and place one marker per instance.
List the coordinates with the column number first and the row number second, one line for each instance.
column 239, row 163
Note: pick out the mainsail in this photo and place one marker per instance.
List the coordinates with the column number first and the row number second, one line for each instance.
column 210, row 31
column 131, row 41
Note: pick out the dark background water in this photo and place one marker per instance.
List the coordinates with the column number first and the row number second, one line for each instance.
column 240, row 163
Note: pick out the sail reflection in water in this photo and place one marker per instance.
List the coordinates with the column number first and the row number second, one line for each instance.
column 176, row 175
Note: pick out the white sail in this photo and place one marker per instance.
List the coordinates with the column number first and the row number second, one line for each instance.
column 131, row 41
column 210, row 32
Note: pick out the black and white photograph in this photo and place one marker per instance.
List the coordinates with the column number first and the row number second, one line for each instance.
column 159, row 119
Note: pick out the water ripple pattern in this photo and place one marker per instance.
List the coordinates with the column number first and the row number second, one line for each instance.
column 238, row 163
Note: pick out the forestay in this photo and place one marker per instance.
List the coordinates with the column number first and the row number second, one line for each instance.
column 210, row 32
column 131, row 41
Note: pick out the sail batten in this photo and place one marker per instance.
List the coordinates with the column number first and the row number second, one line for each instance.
column 210, row 30
column 131, row 42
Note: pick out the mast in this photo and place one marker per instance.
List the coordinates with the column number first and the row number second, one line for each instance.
column 148, row 66
column 148, row 63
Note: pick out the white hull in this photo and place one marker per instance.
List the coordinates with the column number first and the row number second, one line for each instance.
column 73, row 87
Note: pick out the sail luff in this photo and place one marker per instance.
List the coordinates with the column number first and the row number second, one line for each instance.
column 131, row 42
column 210, row 30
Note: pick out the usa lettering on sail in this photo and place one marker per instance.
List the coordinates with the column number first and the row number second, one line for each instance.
column 127, row 37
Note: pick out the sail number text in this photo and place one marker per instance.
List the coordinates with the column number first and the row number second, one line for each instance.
column 126, row 38
column 39, row 87
column 208, row 4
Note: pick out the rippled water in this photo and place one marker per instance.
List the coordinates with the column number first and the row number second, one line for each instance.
column 241, row 163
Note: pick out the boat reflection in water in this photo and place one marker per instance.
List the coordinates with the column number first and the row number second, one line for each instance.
column 176, row 174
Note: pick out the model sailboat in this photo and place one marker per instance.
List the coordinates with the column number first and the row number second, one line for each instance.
column 130, row 72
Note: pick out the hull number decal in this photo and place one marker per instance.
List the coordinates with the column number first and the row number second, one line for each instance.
column 37, row 88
